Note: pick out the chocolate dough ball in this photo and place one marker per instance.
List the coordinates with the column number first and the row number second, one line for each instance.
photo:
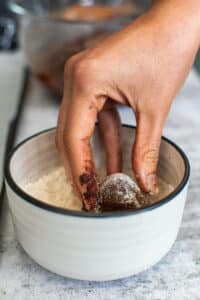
column 118, row 192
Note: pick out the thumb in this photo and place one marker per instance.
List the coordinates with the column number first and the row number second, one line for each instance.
column 145, row 152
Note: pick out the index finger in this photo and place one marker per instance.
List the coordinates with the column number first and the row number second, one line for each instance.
column 79, row 127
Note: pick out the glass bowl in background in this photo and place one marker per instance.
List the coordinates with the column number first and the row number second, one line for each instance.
column 51, row 31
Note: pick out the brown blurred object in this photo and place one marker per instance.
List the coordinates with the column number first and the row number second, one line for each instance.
column 50, row 34
column 56, row 57
column 54, row 60
column 95, row 12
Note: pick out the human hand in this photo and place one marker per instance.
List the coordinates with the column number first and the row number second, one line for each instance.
column 142, row 66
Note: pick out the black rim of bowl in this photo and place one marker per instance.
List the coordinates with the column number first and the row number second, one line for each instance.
column 11, row 182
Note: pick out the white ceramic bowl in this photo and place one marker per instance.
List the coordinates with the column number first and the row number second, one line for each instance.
column 89, row 246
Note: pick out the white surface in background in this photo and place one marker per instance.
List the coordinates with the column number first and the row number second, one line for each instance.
column 177, row 276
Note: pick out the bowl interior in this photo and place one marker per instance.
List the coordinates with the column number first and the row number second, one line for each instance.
column 38, row 156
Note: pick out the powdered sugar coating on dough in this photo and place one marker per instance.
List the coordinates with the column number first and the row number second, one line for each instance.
column 120, row 189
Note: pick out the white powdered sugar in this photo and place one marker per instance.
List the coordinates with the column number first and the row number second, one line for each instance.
column 56, row 189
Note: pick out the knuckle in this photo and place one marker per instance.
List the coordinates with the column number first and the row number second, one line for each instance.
column 151, row 155
column 84, row 73
column 145, row 158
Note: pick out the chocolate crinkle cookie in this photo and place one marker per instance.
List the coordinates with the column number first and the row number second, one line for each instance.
column 119, row 192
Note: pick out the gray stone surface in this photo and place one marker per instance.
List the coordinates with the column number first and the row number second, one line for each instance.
column 176, row 277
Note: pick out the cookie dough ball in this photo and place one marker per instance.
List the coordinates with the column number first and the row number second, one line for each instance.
column 118, row 192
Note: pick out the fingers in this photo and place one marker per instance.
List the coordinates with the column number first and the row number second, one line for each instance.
column 60, row 138
column 79, row 128
column 110, row 129
column 146, row 151
column 76, row 123
column 61, row 126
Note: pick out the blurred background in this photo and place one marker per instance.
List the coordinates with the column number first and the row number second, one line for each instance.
column 48, row 32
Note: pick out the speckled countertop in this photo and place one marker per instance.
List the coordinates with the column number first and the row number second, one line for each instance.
column 176, row 277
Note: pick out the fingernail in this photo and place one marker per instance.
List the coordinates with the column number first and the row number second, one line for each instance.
column 151, row 184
